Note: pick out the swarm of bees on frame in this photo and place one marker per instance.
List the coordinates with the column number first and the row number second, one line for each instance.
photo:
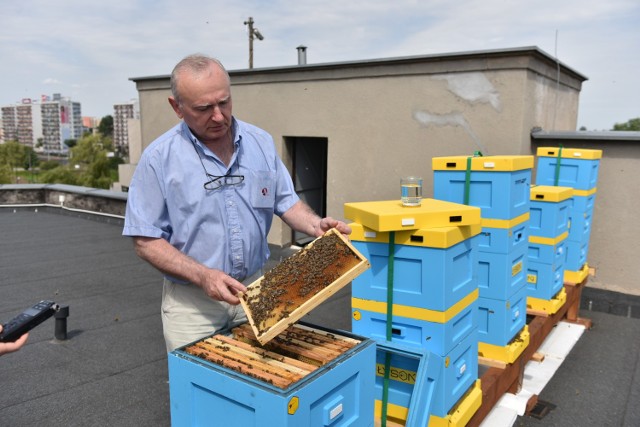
column 299, row 277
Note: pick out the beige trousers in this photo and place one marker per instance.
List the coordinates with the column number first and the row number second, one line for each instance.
column 188, row 314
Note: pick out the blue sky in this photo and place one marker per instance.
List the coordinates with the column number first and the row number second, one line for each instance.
column 89, row 50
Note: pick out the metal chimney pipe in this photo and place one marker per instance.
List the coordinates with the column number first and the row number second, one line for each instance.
column 302, row 55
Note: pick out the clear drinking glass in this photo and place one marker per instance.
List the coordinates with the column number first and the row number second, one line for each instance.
column 411, row 190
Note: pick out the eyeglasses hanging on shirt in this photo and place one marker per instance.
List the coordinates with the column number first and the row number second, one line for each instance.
column 220, row 181
column 216, row 181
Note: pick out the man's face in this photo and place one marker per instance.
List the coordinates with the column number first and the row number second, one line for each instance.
column 205, row 103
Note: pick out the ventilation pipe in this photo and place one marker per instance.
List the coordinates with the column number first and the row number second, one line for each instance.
column 302, row 55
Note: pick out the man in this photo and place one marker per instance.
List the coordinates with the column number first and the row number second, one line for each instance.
column 201, row 204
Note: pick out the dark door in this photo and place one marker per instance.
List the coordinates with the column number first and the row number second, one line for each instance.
column 309, row 157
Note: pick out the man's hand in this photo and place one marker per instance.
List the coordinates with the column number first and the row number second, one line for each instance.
column 302, row 218
column 219, row 286
column 215, row 283
column 328, row 223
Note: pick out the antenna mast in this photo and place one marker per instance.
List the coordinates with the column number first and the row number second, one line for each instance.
column 252, row 32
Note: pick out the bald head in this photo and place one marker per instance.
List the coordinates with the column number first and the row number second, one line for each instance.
column 195, row 65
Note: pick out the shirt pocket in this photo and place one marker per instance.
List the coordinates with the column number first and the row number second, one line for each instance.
column 263, row 189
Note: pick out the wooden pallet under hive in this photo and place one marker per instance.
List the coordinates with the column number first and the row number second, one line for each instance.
column 300, row 283
column 288, row 358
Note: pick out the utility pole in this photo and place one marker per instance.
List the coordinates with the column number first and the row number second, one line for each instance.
column 252, row 32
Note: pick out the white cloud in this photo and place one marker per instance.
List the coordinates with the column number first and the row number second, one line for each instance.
column 51, row 81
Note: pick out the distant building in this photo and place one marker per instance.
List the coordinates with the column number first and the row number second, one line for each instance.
column 90, row 124
column 122, row 113
column 9, row 128
column 43, row 124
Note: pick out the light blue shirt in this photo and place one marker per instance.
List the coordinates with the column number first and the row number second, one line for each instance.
column 224, row 228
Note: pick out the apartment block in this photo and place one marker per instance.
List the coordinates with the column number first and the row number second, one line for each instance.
column 122, row 113
column 43, row 124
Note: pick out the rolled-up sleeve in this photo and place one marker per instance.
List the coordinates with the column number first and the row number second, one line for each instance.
column 146, row 212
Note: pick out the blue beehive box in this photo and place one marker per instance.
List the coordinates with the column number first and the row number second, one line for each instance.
column 577, row 253
column 503, row 235
column 433, row 267
column 338, row 393
column 500, row 320
column 574, row 167
column 580, row 230
column 581, row 215
column 549, row 210
column 546, row 250
column 501, row 275
column 437, row 332
column 498, row 185
column 544, row 281
column 414, row 386
column 456, row 374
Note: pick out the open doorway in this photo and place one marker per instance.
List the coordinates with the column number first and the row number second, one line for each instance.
column 309, row 173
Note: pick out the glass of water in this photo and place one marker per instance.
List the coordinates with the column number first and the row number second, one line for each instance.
column 411, row 190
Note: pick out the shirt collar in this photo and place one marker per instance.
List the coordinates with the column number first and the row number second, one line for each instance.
column 235, row 127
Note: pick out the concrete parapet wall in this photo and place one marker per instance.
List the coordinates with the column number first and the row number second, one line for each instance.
column 67, row 196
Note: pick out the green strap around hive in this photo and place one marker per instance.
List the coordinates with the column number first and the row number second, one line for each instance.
column 387, row 356
column 557, row 174
column 467, row 176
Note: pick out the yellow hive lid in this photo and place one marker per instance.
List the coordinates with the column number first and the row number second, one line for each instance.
column 390, row 215
column 570, row 153
column 483, row 163
column 440, row 237
column 550, row 193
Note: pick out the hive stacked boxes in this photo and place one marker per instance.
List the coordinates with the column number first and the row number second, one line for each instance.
column 578, row 169
column 499, row 186
column 548, row 231
column 420, row 293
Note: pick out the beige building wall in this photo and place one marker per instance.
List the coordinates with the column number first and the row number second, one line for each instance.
column 387, row 118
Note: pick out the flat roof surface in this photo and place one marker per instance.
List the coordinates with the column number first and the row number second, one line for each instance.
column 112, row 369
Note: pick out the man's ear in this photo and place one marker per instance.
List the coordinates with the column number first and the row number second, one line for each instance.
column 176, row 106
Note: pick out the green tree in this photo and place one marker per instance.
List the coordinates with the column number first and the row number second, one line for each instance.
column 13, row 155
column 632, row 124
column 88, row 149
column 106, row 126
column 6, row 174
column 60, row 175
column 31, row 159
column 90, row 158
column 48, row 165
